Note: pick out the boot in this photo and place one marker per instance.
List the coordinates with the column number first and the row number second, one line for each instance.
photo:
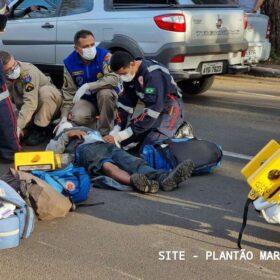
column 141, row 183
column 177, row 175
column 37, row 136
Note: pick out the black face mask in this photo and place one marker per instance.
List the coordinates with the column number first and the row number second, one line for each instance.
column 3, row 22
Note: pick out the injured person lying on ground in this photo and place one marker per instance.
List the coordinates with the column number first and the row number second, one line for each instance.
column 99, row 157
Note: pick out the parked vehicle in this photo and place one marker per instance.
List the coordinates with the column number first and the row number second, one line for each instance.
column 194, row 40
column 257, row 35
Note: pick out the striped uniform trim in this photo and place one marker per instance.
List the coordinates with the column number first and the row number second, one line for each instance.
column 14, row 122
column 128, row 109
column 152, row 113
column 130, row 146
column 140, row 94
column 156, row 67
column 9, row 233
column 4, row 95
column 166, row 71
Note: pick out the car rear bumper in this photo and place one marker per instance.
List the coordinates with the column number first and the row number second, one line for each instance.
column 168, row 51
column 238, row 69
column 257, row 51
column 193, row 75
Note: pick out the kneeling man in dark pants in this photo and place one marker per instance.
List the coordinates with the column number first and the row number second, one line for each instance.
column 97, row 156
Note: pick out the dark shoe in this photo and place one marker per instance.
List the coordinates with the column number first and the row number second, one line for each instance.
column 178, row 175
column 36, row 138
column 141, row 183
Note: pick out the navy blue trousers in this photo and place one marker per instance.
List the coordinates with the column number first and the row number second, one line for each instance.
column 9, row 143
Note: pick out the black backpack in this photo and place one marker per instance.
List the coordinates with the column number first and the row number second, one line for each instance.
column 169, row 153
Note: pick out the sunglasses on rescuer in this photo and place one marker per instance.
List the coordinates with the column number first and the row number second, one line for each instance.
column 11, row 70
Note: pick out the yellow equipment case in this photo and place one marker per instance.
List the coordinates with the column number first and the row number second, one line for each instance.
column 257, row 174
column 40, row 160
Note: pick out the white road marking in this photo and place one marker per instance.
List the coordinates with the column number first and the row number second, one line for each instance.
column 245, row 94
column 50, row 245
column 124, row 273
column 256, row 94
column 236, row 155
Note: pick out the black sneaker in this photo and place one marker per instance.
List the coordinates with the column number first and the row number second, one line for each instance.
column 178, row 175
column 141, row 183
column 36, row 138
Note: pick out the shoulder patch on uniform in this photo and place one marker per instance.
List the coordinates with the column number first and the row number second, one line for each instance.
column 29, row 87
column 99, row 75
column 79, row 80
column 26, row 78
column 65, row 82
column 107, row 58
column 149, row 90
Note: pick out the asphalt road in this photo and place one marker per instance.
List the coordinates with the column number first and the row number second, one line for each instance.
column 122, row 239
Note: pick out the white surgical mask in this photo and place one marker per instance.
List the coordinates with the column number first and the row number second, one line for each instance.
column 89, row 53
column 15, row 74
column 128, row 77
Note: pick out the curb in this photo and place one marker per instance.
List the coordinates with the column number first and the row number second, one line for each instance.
column 264, row 72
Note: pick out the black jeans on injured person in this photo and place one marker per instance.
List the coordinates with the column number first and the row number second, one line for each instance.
column 93, row 156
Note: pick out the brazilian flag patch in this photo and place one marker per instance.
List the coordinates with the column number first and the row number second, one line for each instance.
column 150, row 90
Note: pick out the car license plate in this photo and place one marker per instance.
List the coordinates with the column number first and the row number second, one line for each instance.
column 251, row 53
column 212, row 68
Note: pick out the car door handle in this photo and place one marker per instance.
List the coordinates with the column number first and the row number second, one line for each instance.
column 47, row 25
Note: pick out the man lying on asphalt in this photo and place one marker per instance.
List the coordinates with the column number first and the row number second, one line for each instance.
column 99, row 157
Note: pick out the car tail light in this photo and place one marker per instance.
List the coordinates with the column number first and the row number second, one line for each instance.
column 245, row 21
column 178, row 59
column 171, row 22
column 268, row 30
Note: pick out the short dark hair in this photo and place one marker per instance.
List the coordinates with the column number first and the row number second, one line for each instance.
column 120, row 59
column 82, row 34
column 5, row 57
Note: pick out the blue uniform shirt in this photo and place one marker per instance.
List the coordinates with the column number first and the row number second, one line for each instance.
column 85, row 73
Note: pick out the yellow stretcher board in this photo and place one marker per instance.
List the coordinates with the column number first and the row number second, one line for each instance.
column 257, row 170
column 41, row 160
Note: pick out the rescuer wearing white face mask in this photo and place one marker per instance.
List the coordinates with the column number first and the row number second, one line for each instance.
column 89, row 89
column 36, row 98
column 163, row 112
